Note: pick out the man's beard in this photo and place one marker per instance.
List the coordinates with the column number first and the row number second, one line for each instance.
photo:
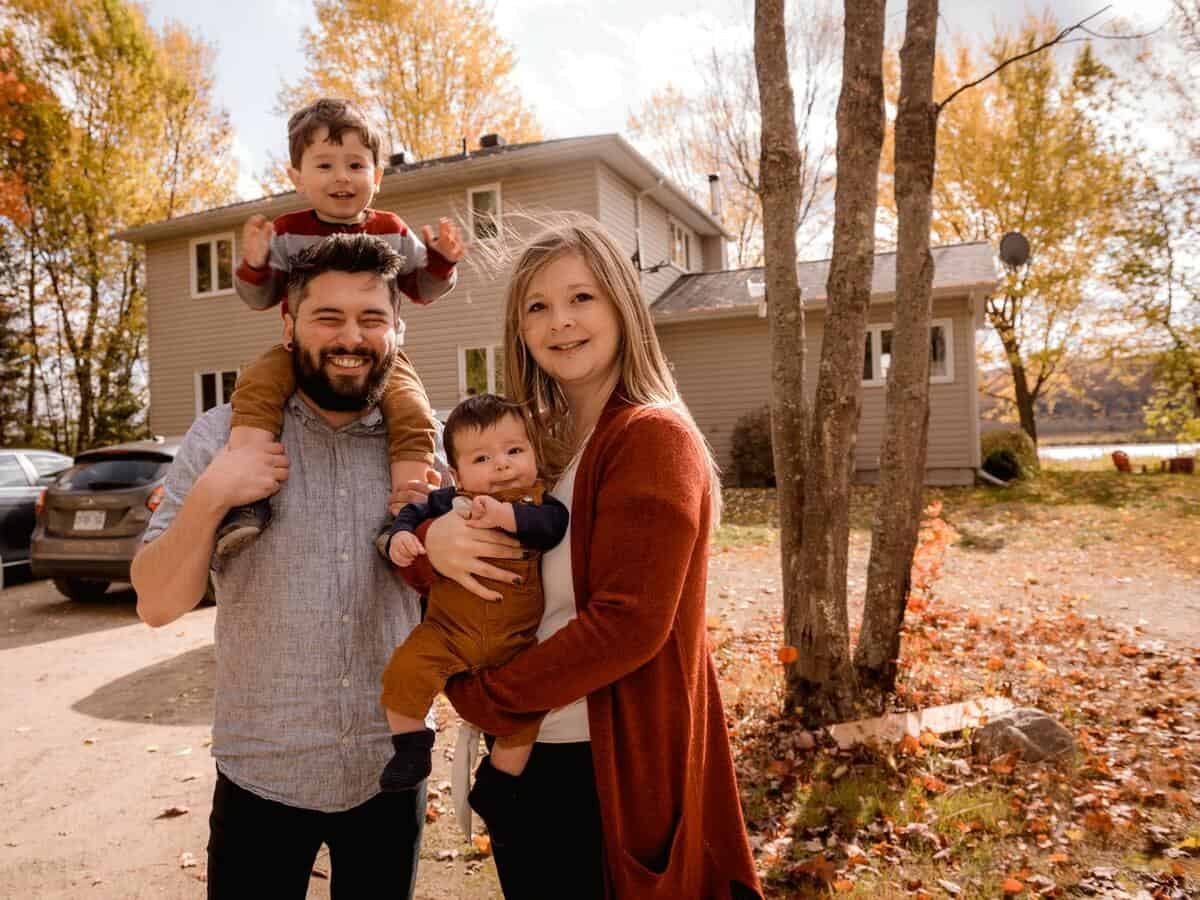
column 340, row 393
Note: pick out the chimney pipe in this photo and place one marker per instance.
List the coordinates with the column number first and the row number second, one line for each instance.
column 714, row 195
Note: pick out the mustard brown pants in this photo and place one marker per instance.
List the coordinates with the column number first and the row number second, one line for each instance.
column 465, row 633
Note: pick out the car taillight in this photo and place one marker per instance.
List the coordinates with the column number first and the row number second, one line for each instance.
column 154, row 499
column 41, row 503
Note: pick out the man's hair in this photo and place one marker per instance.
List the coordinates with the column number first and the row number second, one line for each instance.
column 477, row 413
column 338, row 116
column 350, row 253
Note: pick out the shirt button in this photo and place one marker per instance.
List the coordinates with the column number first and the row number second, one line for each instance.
column 345, row 682
column 341, row 492
column 346, row 740
column 345, row 556
column 346, row 618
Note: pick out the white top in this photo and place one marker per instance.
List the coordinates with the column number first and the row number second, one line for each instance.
column 568, row 723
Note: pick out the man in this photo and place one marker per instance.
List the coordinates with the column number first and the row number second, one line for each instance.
column 308, row 615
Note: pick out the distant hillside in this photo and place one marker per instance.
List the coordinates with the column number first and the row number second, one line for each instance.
column 1095, row 398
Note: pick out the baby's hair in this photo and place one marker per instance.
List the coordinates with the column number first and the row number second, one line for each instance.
column 336, row 115
column 477, row 413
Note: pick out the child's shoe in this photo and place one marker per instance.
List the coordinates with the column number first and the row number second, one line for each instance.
column 241, row 525
column 411, row 763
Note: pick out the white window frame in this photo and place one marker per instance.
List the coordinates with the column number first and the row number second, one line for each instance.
column 194, row 282
column 691, row 245
column 494, row 187
column 198, row 390
column 876, row 333
column 493, row 353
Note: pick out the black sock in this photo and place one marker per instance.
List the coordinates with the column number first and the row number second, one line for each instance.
column 411, row 763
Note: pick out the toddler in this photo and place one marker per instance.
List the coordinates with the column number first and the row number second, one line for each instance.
column 335, row 165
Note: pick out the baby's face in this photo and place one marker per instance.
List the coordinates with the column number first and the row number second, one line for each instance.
column 493, row 459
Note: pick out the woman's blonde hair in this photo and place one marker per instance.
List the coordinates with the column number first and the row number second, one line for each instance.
column 645, row 377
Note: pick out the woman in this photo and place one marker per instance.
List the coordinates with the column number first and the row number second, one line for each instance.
column 630, row 791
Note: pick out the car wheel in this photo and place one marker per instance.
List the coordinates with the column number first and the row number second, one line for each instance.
column 81, row 589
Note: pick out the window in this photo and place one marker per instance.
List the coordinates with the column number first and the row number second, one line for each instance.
column 877, row 358
column 212, row 265
column 48, row 463
column 483, row 210
column 214, row 388
column 113, row 474
column 12, row 473
column 682, row 244
column 480, row 370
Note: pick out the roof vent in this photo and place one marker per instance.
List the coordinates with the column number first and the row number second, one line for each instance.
column 403, row 158
column 491, row 140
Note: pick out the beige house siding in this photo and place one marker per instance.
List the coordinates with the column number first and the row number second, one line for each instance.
column 187, row 336
column 722, row 366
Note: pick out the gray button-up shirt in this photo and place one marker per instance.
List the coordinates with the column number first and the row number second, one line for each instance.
column 307, row 615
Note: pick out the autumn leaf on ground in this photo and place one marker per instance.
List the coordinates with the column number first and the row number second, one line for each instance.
column 787, row 655
column 1011, row 886
column 172, row 812
column 483, row 844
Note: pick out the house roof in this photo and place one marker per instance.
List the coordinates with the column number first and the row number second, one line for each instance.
column 481, row 165
column 957, row 268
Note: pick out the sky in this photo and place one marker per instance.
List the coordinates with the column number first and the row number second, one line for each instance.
column 582, row 66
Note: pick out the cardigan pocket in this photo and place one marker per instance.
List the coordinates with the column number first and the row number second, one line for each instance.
column 653, row 874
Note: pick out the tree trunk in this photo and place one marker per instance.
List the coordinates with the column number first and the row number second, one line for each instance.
column 902, row 460
column 825, row 686
column 779, row 189
column 1024, row 397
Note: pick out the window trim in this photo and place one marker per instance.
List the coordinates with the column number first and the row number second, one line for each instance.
column 485, row 189
column 493, row 351
column 876, row 330
column 193, row 283
column 198, row 391
column 691, row 245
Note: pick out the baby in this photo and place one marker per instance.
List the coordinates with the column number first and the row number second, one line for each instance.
column 496, row 470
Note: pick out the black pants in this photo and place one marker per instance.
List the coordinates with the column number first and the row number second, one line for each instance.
column 258, row 848
column 552, row 845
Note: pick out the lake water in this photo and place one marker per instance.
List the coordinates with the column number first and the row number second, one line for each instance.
column 1094, row 451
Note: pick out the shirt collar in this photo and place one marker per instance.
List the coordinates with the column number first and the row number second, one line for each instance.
column 370, row 422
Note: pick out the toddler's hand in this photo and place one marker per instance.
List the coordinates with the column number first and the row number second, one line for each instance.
column 488, row 512
column 448, row 242
column 404, row 548
column 256, row 241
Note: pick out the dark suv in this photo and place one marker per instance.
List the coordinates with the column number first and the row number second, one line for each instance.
column 23, row 474
column 91, row 518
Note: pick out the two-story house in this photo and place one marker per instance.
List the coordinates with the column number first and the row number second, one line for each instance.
column 712, row 330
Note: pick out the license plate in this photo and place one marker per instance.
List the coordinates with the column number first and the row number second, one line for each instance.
column 89, row 519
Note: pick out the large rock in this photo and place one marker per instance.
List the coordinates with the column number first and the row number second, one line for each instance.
column 1035, row 734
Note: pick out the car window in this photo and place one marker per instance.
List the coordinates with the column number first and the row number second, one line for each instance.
column 48, row 463
column 12, row 473
column 111, row 474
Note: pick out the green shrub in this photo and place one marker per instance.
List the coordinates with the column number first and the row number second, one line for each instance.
column 753, row 465
column 1009, row 450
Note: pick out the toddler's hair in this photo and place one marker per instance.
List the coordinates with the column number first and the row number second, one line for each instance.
column 352, row 253
column 338, row 116
column 478, row 412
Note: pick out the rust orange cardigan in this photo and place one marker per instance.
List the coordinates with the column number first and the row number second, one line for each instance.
column 638, row 651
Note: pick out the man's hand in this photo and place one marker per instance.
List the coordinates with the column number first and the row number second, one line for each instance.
column 237, row 477
column 488, row 512
column 457, row 551
column 404, row 548
column 448, row 241
column 414, row 491
column 256, row 241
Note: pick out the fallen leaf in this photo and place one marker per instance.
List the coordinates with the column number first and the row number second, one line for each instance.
column 187, row 860
column 173, row 811
column 483, row 844
column 995, row 664
column 950, row 887
column 787, row 655
column 843, row 885
column 1011, row 886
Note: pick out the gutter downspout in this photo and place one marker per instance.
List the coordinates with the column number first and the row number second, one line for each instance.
column 637, row 224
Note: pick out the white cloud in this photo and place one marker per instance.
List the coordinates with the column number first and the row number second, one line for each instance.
column 247, row 185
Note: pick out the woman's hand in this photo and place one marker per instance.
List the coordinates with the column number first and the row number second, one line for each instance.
column 457, row 551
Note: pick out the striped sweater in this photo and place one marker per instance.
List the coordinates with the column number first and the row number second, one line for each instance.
column 425, row 275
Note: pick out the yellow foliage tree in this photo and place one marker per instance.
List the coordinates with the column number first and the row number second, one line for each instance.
column 1027, row 151
column 429, row 73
